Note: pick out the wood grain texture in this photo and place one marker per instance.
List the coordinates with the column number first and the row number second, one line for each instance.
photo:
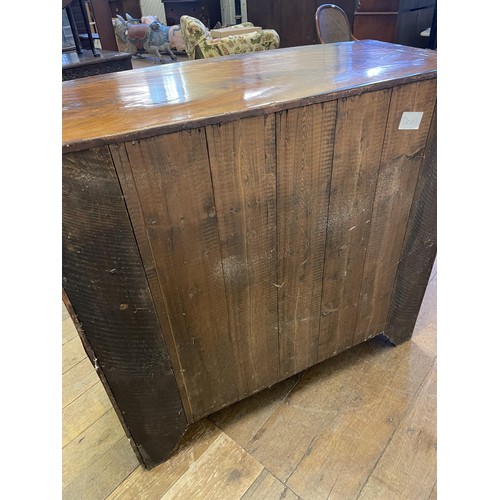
column 135, row 212
column 236, row 221
column 174, row 185
column 419, row 249
column 197, row 93
column 105, row 283
column 232, row 473
column 78, row 380
column 90, row 445
column 426, row 324
column 304, row 166
column 359, row 137
column 267, row 487
column 83, row 412
column 103, row 475
column 407, row 467
column 398, row 174
column 286, row 436
column 144, row 485
column 343, row 455
column 243, row 168
column 72, row 354
column 242, row 420
column 68, row 328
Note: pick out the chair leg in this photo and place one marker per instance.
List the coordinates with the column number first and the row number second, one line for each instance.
column 87, row 27
column 74, row 30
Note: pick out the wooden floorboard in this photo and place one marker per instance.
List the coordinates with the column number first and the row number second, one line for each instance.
column 359, row 425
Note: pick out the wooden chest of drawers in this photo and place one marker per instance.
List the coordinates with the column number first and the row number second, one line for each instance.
column 230, row 222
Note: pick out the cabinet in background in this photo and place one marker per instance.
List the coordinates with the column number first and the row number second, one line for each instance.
column 395, row 21
column 207, row 11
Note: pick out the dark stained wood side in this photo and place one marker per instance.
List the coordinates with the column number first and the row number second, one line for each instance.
column 174, row 186
column 243, row 166
column 419, row 249
column 359, row 138
column 105, row 282
column 305, row 138
column 398, row 174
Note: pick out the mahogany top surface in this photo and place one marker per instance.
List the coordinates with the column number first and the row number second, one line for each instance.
column 144, row 102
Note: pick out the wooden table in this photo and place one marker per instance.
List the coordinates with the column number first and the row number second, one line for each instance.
column 86, row 64
column 230, row 222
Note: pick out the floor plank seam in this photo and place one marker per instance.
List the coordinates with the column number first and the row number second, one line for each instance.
column 98, row 458
column 90, row 387
column 410, row 407
column 432, row 491
column 285, row 485
column 122, row 481
column 85, row 430
column 272, row 413
column 80, row 359
column 323, row 425
column 68, row 340
column 84, row 392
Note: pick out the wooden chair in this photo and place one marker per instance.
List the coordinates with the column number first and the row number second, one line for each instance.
column 332, row 24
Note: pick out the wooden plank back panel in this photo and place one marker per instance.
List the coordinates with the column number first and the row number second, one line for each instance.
column 359, row 137
column 112, row 306
column 243, row 165
column 172, row 178
column 305, row 139
column 398, row 174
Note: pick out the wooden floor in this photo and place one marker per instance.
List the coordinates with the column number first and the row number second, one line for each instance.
column 360, row 425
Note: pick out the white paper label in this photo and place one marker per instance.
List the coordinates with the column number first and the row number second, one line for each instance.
column 411, row 120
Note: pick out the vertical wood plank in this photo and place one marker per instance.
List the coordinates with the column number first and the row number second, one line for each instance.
column 135, row 212
column 305, row 139
column 243, row 167
column 111, row 305
column 419, row 249
column 359, row 137
column 398, row 174
column 173, row 182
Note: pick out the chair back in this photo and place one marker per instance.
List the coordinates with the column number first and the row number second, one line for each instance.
column 332, row 24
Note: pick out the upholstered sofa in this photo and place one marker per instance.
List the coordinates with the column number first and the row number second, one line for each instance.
column 201, row 45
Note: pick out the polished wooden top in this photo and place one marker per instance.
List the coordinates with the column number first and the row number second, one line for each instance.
column 144, row 102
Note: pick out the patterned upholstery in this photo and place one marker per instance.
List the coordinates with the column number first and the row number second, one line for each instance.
column 200, row 44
